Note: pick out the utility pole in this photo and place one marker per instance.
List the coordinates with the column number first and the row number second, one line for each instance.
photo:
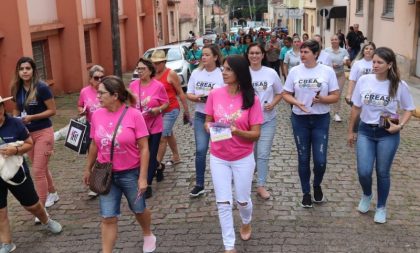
column 116, row 43
column 201, row 18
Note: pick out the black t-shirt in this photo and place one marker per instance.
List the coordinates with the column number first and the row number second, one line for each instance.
column 13, row 130
column 35, row 106
column 352, row 39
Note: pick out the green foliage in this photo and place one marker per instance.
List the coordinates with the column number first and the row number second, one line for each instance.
column 240, row 8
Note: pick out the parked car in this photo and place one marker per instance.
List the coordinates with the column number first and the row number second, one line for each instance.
column 177, row 56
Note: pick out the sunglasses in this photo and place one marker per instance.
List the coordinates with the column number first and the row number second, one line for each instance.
column 98, row 78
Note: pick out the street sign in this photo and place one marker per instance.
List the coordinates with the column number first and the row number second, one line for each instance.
column 323, row 12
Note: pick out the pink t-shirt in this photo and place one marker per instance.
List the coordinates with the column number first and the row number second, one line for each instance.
column 152, row 95
column 132, row 127
column 89, row 99
column 226, row 108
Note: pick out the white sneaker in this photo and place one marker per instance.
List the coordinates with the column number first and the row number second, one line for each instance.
column 37, row 221
column 51, row 199
column 53, row 226
column 92, row 194
column 337, row 118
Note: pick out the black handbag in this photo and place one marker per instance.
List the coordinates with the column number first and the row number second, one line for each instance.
column 101, row 175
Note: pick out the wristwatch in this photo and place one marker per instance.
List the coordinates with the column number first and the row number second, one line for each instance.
column 401, row 126
column 160, row 110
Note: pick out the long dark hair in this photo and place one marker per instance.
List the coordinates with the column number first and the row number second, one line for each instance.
column 264, row 59
column 114, row 85
column 240, row 67
column 17, row 82
column 393, row 76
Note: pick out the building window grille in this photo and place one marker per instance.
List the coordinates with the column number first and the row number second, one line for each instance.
column 88, row 50
column 172, row 16
column 388, row 9
column 359, row 6
column 42, row 59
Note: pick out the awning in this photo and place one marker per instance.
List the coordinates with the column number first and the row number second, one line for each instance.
column 334, row 11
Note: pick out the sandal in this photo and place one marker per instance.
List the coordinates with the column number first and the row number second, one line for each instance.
column 245, row 232
column 173, row 162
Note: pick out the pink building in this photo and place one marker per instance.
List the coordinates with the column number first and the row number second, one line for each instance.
column 67, row 37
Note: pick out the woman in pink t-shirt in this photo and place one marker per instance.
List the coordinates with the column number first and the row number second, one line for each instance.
column 130, row 162
column 152, row 100
column 233, row 118
column 88, row 103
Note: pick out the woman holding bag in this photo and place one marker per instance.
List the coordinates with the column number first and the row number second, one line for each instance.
column 130, row 163
column 375, row 95
column 12, row 130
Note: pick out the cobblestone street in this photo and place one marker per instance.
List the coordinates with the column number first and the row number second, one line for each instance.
column 182, row 224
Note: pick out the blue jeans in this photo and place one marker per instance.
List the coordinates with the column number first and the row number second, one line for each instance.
column 123, row 182
column 311, row 131
column 154, row 140
column 262, row 149
column 201, row 147
column 376, row 146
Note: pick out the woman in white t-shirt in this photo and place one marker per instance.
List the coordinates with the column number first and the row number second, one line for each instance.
column 377, row 98
column 361, row 66
column 339, row 57
column 201, row 82
column 268, row 88
column 311, row 87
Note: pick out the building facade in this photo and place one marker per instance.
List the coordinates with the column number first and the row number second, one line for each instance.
column 394, row 24
column 188, row 13
column 67, row 37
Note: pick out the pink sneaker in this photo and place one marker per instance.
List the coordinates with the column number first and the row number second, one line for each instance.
column 149, row 244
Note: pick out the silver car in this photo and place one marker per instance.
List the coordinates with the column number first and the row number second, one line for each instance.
column 176, row 59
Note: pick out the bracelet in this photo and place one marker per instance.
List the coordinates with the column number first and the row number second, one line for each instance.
column 160, row 110
column 17, row 150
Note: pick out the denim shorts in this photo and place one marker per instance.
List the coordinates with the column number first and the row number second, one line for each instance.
column 124, row 182
column 169, row 119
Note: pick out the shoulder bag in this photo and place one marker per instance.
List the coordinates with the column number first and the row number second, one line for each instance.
column 101, row 176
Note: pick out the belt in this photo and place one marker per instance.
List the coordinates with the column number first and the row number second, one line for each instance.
column 373, row 125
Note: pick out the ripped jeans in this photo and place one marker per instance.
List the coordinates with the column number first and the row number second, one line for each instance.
column 241, row 173
column 311, row 132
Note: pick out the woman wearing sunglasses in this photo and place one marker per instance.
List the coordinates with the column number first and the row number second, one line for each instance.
column 89, row 103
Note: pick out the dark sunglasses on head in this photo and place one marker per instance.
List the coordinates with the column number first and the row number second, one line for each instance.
column 98, row 78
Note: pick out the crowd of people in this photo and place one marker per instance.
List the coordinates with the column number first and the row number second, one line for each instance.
column 235, row 86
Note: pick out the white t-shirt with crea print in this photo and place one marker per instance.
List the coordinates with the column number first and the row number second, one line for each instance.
column 360, row 68
column 202, row 82
column 324, row 58
column 266, row 84
column 372, row 95
column 306, row 82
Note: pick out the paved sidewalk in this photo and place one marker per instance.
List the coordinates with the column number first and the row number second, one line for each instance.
column 279, row 224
